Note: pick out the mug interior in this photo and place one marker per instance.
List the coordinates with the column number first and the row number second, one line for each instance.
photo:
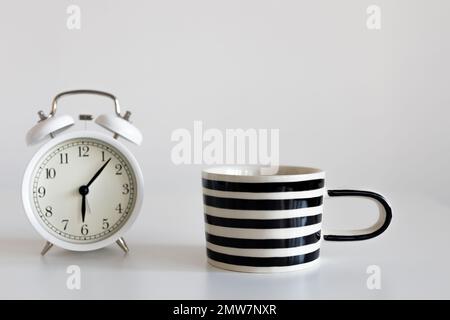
column 260, row 173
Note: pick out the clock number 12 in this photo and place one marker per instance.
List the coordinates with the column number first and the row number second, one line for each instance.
column 83, row 151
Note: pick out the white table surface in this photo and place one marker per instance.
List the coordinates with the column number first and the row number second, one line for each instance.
column 170, row 263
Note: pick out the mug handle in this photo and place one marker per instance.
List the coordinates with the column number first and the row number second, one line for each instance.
column 384, row 218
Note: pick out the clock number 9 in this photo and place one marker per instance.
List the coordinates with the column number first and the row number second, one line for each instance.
column 41, row 192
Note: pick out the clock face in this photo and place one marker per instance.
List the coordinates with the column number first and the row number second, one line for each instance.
column 83, row 190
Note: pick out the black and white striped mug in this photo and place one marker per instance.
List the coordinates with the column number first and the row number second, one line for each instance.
column 271, row 223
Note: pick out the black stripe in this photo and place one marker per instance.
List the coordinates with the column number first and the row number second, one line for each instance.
column 263, row 223
column 263, row 204
column 263, row 243
column 262, row 262
column 263, row 186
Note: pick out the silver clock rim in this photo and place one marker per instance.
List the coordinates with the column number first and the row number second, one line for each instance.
column 27, row 180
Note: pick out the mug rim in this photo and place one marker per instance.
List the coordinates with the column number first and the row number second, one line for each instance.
column 246, row 173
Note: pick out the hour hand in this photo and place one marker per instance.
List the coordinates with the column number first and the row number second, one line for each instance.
column 83, row 207
column 84, row 190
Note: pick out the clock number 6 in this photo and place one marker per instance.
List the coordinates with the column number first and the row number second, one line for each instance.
column 84, row 229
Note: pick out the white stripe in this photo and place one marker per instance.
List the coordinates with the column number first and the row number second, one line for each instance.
column 265, row 195
column 262, row 214
column 265, row 253
column 244, row 233
column 313, row 264
column 262, row 178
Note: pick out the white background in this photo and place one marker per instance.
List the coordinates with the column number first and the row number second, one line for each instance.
column 369, row 107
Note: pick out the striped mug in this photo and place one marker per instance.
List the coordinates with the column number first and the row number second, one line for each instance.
column 271, row 223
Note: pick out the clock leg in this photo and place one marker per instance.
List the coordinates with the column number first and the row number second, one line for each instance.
column 47, row 246
column 123, row 245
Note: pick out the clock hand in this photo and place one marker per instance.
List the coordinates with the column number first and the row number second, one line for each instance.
column 84, row 190
column 98, row 173
column 83, row 207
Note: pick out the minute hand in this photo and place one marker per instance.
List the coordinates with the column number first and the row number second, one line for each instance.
column 98, row 173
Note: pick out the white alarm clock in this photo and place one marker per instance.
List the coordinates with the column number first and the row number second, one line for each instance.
column 82, row 190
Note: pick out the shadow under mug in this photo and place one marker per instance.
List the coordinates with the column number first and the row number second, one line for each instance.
column 272, row 223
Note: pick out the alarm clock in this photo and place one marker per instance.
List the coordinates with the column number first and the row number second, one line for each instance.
column 83, row 190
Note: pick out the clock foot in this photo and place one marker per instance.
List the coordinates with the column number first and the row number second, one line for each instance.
column 122, row 244
column 47, row 247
